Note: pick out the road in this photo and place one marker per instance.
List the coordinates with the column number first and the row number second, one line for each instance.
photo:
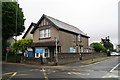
column 107, row 69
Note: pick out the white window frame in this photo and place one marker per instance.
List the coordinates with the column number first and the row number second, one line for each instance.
column 47, row 53
column 38, row 55
column 43, row 54
column 81, row 49
column 46, row 33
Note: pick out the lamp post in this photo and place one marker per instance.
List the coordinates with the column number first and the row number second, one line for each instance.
column 56, row 40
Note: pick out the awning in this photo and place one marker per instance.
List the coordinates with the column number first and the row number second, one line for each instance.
column 43, row 44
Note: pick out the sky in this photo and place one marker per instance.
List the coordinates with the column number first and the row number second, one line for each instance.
column 97, row 18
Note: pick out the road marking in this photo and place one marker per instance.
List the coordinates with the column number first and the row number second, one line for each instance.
column 7, row 73
column 78, row 73
column 69, row 73
column 93, row 63
column 109, row 75
column 114, row 67
column 45, row 75
column 54, row 71
column 13, row 74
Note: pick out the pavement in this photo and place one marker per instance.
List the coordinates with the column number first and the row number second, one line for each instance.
column 107, row 69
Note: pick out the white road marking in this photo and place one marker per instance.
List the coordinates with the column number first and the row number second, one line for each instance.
column 73, row 69
column 78, row 73
column 54, row 71
column 114, row 67
column 111, row 76
column 69, row 73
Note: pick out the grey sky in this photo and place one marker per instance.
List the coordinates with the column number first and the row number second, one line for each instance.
column 97, row 18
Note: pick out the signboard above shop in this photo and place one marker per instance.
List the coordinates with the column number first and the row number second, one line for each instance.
column 39, row 50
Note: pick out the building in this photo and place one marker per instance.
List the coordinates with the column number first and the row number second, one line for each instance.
column 50, row 34
column 27, row 33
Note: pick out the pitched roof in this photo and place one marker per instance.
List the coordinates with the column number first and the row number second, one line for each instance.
column 32, row 24
column 62, row 25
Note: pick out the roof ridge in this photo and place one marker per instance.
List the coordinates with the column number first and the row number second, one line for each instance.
column 71, row 27
column 61, row 21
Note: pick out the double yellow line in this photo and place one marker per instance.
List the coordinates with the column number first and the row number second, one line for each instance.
column 44, row 73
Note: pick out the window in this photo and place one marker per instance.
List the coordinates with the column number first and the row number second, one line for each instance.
column 41, row 34
column 37, row 55
column 74, row 38
column 46, row 52
column 48, row 32
column 81, row 49
column 45, row 33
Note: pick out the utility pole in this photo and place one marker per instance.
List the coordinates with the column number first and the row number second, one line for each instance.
column 56, row 40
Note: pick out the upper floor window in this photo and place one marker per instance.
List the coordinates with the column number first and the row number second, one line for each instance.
column 74, row 38
column 45, row 33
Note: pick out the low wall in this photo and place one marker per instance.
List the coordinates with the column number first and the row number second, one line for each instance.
column 86, row 56
column 64, row 58
column 30, row 60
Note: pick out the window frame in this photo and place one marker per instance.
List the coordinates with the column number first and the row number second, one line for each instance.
column 45, row 33
column 48, row 53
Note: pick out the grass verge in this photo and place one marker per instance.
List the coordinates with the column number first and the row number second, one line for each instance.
column 96, row 60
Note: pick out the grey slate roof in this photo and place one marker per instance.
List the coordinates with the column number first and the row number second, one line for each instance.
column 61, row 25
column 65, row 26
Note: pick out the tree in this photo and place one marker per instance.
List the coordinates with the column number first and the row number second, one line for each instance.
column 99, row 47
column 21, row 45
column 107, row 44
column 12, row 21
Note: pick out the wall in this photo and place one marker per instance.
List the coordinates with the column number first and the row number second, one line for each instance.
column 45, row 25
column 29, row 35
column 66, row 41
column 54, row 33
column 86, row 56
column 64, row 58
column 36, row 61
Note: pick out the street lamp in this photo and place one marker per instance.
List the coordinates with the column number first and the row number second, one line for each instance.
column 56, row 40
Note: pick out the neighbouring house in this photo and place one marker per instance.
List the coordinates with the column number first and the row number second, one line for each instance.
column 27, row 33
column 10, row 40
column 51, row 35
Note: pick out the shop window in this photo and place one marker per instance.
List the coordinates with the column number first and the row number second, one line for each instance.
column 37, row 55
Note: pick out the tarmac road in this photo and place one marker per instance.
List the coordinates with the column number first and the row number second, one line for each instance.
column 104, row 70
